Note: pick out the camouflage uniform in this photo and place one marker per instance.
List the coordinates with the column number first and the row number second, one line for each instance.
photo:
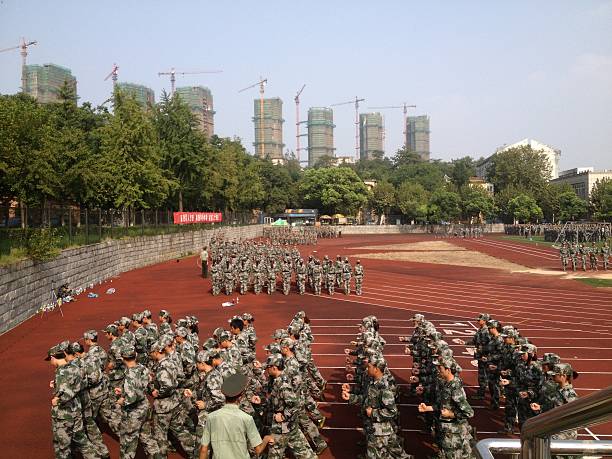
column 136, row 414
column 216, row 277
column 228, row 279
column 286, row 276
column 605, row 256
column 300, row 274
column 358, row 273
column 244, row 278
column 330, row 278
column 347, row 270
column 271, row 271
column 492, row 358
column 316, row 278
column 284, row 399
column 167, row 415
column 593, row 257
column 564, row 255
column 480, row 340
column 66, row 416
column 582, row 250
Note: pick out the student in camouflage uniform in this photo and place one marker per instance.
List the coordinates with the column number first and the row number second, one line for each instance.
column 167, row 414
column 582, row 251
column 480, row 341
column 316, row 277
column 136, row 412
column 271, row 272
column 605, row 255
column 593, row 257
column 529, row 380
column 141, row 338
column 347, row 271
column 284, row 405
column 573, row 251
column 259, row 274
column 216, row 277
column 165, row 321
column 509, row 374
column 286, row 276
column 300, row 272
column 358, row 273
column 452, row 412
column 492, row 357
column 245, row 272
column 330, row 278
column 66, row 416
column 339, row 270
column 564, row 255
column 228, row 278
column 115, row 372
column 75, row 356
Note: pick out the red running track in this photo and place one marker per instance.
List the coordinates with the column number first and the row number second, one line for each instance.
column 559, row 315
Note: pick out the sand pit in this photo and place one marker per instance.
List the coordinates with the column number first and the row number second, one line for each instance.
column 439, row 252
column 432, row 246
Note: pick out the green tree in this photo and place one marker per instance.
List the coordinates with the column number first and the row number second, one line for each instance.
column 324, row 161
column 601, row 200
column 549, row 202
column 280, row 188
column 571, row 207
column 524, row 208
column 461, row 170
column 476, row 203
column 378, row 169
column 333, row 190
column 445, row 205
column 405, row 157
column 520, row 168
column 412, row 201
column 382, row 198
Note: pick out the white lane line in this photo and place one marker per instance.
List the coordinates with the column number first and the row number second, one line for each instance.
column 413, row 405
column 465, row 386
column 591, row 433
column 469, row 370
column 515, row 250
column 468, row 357
column 360, row 429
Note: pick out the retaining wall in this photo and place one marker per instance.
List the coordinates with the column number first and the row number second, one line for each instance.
column 25, row 286
column 406, row 229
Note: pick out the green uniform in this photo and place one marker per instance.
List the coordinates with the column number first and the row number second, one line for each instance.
column 230, row 432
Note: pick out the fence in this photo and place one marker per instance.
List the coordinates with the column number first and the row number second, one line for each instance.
column 76, row 226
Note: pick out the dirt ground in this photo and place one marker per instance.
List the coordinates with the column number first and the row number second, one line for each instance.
column 439, row 252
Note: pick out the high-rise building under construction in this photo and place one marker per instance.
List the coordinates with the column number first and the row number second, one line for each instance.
column 200, row 102
column 143, row 95
column 320, row 134
column 268, row 121
column 371, row 136
column 417, row 135
column 43, row 82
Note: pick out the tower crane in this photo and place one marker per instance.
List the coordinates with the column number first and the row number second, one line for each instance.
column 262, row 84
column 172, row 72
column 356, row 102
column 297, row 120
column 114, row 72
column 24, row 52
column 405, row 108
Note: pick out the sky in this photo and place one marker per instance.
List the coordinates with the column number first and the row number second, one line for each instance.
column 487, row 73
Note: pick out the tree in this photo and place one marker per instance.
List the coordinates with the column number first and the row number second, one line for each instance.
column 461, row 170
column 382, row 199
column 412, row 201
column 333, row 190
column 279, row 186
column 548, row 200
column 521, row 168
column 428, row 174
column 378, row 169
column 476, row 203
column 324, row 161
column 571, row 207
column 405, row 157
column 524, row 208
column 601, row 200
column 445, row 205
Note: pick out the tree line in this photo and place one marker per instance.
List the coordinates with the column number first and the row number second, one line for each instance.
column 124, row 156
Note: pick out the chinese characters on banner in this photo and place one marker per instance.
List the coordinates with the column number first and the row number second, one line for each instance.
column 185, row 218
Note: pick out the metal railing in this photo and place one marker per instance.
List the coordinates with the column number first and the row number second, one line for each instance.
column 535, row 442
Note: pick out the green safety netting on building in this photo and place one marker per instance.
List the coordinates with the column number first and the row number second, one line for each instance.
column 280, row 222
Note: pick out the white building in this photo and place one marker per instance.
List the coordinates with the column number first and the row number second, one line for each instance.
column 582, row 180
column 552, row 154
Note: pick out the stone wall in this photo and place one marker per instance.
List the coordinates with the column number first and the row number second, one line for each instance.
column 406, row 229
column 26, row 286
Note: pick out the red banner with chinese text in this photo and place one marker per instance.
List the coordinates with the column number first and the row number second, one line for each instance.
column 186, row 218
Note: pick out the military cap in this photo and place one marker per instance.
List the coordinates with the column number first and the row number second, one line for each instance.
column 112, row 329
column 166, row 340
column 418, row 317
column 56, row 352
column 274, row 360
column 287, row 342
column 90, row 334
column 209, row 344
column 551, row 358
column 164, row 313
column 247, row 316
column 125, row 321
column 194, row 320
column 529, row 348
column 492, row 323
column 147, row 313
column 229, row 321
column 446, row 362
column 561, row 369
column 225, row 336
column 203, row 356
column 182, row 323
column 273, row 348
column 434, row 335
column 75, row 348
column 157, row 347
column 137, row 316
column 234, row 385
column 300, row 315
column 128, row 351
column 483, row 316
column 182, row 332
column 378, row 361
column 280, row 333
column 218, row 332
column 509, row 332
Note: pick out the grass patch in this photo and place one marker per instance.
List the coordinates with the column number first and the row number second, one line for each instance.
column 538, row 240
column 16, row 254
column 595, row 282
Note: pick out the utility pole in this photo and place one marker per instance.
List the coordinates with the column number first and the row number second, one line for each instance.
column 356, row 102
column 297, row 121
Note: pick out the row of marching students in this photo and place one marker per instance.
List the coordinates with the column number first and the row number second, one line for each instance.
column 508, row 366
column 183, row 379
column 375, row 391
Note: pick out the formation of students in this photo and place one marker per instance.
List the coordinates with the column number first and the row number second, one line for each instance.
column 156, row 385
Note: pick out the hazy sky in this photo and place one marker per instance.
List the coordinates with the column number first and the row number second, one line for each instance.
column 487, row 72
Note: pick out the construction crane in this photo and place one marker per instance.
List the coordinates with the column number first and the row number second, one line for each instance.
column 297, row 120
column 172, row 72
column 24, row 52
column 262, row 84
column 405, row 108
column 356, row 102
column 114, row 72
